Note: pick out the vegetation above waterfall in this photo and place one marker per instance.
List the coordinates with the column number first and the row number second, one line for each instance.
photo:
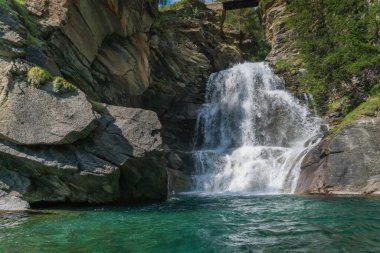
column 247, row 26
column 337, row 39
column 338, row 45
column 242, row 28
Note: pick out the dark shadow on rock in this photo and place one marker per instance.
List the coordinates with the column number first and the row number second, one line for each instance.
column 120, row 161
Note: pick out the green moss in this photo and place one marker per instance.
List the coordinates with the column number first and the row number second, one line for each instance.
column 369, row 108
column 337, row 104
column 98, row 107
column 247, row 21
column 34, row 40
column 375, row 90
column 5, row 5
column 38, row 76
column 282, row 65
column 60, row 85
column 30, row 22
column 18, row 10
column 10, row 7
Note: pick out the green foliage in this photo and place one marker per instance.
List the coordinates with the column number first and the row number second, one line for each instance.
column 248, row 22
column 174, row 6
column 4, row 5
column 18, row 9
column 170, row 13
column 38, row 76
column 282, row 65
column 336, row 39
column 195, row 12
column 375, row 89
column 60, row 85
column 29, row 21
column 337, row 104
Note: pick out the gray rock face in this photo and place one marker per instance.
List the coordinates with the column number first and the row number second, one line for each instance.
column 57, row 174
column 54, row 148
column 35, row 116
column 141, row 128
column 103, row 45
column 119, row 161
column 347, row 162
column 131, row 139
column 11, row 36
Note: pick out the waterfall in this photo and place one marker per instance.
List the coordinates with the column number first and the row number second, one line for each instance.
column 251, row 133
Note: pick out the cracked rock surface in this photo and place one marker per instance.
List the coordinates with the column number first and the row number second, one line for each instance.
column 347, row 162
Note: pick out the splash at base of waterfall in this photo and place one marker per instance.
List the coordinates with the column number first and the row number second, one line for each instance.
column 251, row 134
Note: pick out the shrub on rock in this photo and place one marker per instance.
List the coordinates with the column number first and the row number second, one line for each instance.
column 60, row 84
column 38, row 76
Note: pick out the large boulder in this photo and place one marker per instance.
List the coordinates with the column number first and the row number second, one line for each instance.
column 121, row 160
column 57, row 174
column 347, row 162
column 131, row 139
column 34, row 116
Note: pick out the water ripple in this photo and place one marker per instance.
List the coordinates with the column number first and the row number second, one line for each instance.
column 212, row 223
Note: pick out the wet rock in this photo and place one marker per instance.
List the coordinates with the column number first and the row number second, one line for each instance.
column 58, row 174
column 144, row 179
column 12, row 203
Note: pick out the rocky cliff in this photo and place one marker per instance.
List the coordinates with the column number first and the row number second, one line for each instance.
column 98, row 98
column 347, row 159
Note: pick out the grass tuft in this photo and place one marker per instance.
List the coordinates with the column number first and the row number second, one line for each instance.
column 98, row 107
column 61, row 85
column 38, row 76
column 369, row 108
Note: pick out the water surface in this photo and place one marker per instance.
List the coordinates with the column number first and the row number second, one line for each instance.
column 202, row 223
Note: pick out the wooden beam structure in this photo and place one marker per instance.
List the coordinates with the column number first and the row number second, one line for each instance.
column 239, row 4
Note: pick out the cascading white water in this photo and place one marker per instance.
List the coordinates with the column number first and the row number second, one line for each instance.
column 250, row 133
